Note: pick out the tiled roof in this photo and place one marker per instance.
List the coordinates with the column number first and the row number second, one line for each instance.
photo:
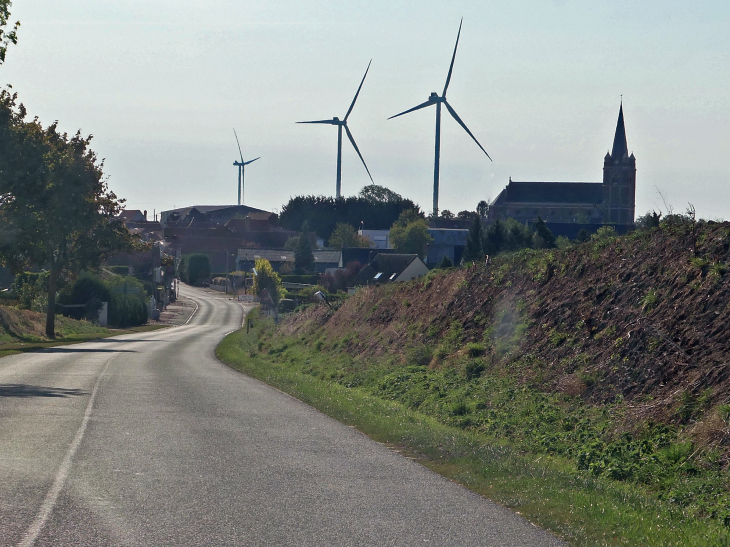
column 551, row 192
column 272, row 255
column 327, row 257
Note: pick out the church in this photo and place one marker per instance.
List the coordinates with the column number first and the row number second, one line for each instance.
column 568, row 207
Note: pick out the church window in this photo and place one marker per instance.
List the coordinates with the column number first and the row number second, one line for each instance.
column 615, row 179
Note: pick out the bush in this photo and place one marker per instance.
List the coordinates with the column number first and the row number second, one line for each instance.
column 127, row 310
column 91, row 290
column 31, row 289
column 267, row 278
column 194, row 267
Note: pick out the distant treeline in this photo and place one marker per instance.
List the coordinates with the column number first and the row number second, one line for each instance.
column 323, row 213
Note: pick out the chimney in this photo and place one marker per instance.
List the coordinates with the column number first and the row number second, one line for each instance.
column 145, row 214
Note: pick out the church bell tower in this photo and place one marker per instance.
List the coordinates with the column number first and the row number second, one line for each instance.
column 619, row 179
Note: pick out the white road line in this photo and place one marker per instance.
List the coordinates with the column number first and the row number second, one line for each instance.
column 62, row 475
column 191, row 315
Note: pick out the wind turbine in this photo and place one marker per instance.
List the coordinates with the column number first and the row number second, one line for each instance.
column 340, row 124
column 434, row 99
column 241, row 168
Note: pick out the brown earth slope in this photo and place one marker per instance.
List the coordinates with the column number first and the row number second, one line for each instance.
column 641, row 319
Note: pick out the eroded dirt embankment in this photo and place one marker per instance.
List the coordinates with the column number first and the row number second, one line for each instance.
column 641, row 318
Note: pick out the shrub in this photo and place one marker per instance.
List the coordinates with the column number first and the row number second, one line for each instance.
column 604, row 232
column 31, row 289
column 130, row 309
column 649, row 300
column 194, row 267
column 267, row 278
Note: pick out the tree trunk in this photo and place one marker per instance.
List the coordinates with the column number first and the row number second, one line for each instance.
column 51, row 313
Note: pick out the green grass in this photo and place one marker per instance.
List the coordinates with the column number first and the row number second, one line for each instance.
column 482, row 448
column 69, row 334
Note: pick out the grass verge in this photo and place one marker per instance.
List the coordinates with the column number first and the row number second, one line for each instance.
column 13, row 348
column 546, row 489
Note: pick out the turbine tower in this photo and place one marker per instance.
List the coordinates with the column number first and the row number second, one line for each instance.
column 340, row 124
column 434, row 99
column 241, row 168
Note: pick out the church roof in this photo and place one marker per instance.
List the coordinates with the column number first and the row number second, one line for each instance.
column 620, row 146
column 551, row 192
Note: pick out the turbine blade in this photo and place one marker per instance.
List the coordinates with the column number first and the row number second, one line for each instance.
column 448, row 78
column 422, row 105
column 253, row 160
column 239, row 145
column 358, row 91
column 462, row 124
column 321, row 121
column 352, row 140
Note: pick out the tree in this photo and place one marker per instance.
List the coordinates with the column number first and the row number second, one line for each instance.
column 474, row 250
column 303, row 256
column 448, row 215
column 583, row 236
column 649, row 220
column 323, row 213
column 379, row 194
column 194, row 267
column 483, row 208
column 345, row 235
column 55, row 204
column 6, row 38
column 495, row 237
column 467, row 215
column 409, row 234
column 543, row 238
column 267, row 278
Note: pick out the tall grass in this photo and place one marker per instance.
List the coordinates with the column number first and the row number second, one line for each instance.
column 546, row 489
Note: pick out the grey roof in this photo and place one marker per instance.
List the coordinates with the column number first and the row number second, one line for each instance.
column 363, row 255
column 272, row 255
column 551, row 192
column 279, row 255
column 620, row 146
column 327, row 256
column 389, row 266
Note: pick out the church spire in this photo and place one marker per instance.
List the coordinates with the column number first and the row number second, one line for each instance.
column 620, row 147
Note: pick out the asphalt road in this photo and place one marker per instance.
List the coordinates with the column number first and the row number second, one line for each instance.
column 146, row 439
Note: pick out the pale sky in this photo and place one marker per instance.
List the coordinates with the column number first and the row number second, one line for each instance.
column 161, row 83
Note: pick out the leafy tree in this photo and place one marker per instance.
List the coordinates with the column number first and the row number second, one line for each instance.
column 409, row 234
column 303, row 256
column 543, row 238
column 583, row 235
column 194, row 267
column 483, row 208
column 345, row 235
column 649, row 220
column 267, row 278
column 323, row 213
column 379, row 194
column 467, row 215
column 448, row 215
column 474, row 250
column 6, row 38
column 55, row 204
column 517, row 236
column 292, row 243
column 495, row 238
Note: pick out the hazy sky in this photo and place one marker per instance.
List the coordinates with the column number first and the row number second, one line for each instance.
column 161, row 83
